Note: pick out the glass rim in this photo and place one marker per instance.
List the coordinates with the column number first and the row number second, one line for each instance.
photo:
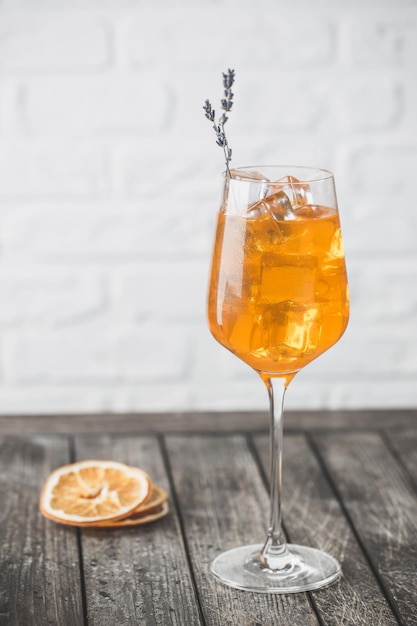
column 322, row 174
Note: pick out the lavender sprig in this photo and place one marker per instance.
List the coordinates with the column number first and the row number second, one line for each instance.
column 226, row 104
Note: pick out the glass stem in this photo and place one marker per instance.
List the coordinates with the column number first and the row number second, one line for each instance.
column 274, row 555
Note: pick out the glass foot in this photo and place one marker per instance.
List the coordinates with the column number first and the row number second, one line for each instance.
column 296, row 569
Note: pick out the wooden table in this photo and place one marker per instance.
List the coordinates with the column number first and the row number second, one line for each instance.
column 349, row 488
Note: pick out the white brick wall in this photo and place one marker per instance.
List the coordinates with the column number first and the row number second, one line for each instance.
column 110, row 179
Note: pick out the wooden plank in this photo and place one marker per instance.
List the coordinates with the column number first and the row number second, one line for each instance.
column 39, row 563
column 225, row 421
column 138, row 575
column 404, row 443
column 139, row 423
column 369, row 419
column 313, row 517
column 382, row 506
column 223, row 504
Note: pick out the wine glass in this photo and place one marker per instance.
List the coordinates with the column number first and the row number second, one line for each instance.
column 278, row 298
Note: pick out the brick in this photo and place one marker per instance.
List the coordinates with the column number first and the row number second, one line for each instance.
column 306, row 393
column 152, row 352
column 2, row 106
column 382, row 291
column 214, row 364
column 93, row 355
column 9, row 104
column 372, row 349
column 150, row 396
column 257, row 37
column 47, row 399
column 42, row 297
column 376, row 193
column 385, row 39
column 368, row 227
column 110, row 181
column 164, row 291
column 180, row 170
column 291, row 101
column 367, row 101
column 52, row 399
column 219, row 395
column 282, row 98
column 292, row 148
column 383, row 170
column 33, row 169
column 79, row 232
column 369, row 393
column 96, row 104
column 43, row 42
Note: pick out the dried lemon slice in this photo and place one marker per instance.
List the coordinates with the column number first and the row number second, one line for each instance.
column 93, row 491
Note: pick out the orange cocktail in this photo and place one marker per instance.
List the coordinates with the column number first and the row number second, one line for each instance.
column 278, row 289
column 278, row 298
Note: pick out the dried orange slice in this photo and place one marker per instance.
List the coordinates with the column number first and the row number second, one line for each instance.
column 156, row 498
column 93, row 491
column 134, row 519
column 154, row 507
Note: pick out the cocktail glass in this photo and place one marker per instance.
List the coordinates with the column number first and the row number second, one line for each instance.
column 278, row 298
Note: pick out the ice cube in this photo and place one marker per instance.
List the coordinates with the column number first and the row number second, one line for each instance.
column 293, row 329
column 277, row 205
column 246, row 189
column 298, row 193
column 248, row 175
column 303, row 330
column 255, row 209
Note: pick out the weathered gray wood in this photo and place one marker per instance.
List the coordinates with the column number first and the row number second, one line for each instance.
column 137, row 575
column 405, row 445
column 382, row 506
column 369, row 419
column 226, row 421
column 223, row 504
column 39, row 564
column 141, row 576
column 313, row 517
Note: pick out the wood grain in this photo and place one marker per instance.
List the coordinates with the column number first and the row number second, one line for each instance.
column 350, row 484
column 404, row 443
column 39, row 567
column 313, row 516
column 223, row 504
column 381, row 505
column 224, row 421
column 138, row 575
